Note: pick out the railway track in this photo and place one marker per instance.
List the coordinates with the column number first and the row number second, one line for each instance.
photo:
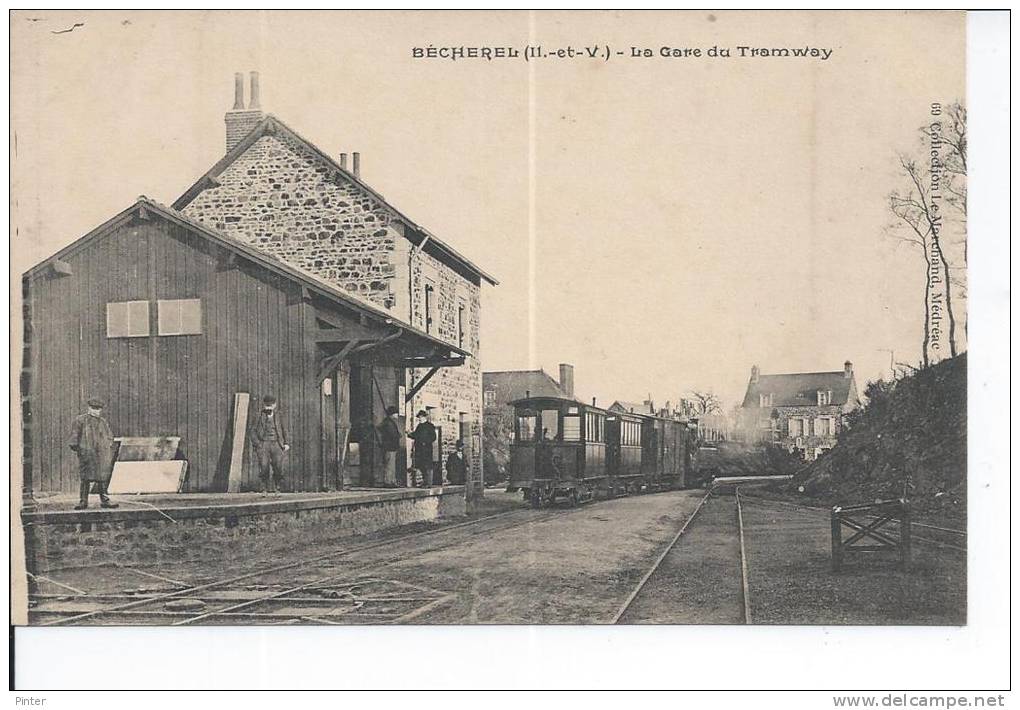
column 230, row 600
column 744, row 579
column 629, row 601
column 741, row 499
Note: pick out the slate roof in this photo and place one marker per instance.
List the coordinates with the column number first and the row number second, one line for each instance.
column 512, row 385
column 271, row 125
column 800, row 389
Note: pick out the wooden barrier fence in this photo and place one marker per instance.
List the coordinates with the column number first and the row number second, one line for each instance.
column 871, row 523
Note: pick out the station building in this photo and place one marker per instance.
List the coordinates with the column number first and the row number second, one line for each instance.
column 278, row 271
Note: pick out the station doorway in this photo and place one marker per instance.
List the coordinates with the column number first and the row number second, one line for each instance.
column 354, row 399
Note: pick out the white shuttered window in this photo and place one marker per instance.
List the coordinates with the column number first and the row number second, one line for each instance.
column 127, row 319
column 180, row 316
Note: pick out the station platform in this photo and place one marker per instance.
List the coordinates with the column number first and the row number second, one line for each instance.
column 202, row 526
column 60, row 508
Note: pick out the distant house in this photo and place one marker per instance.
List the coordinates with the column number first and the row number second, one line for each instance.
column 646, row 407
column 501, row 388
column 800, row 411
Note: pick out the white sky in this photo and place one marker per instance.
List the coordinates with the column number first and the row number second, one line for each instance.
column 691, row 217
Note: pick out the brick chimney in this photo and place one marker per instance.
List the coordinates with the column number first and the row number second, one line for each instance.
column 567, row 379
column 755, row 374
column 240, row 120
column 848, row 369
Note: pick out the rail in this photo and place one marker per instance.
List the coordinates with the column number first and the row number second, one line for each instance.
column 744, row 581
column 655, row 566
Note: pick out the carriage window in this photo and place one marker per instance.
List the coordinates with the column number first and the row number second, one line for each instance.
column 595, row 427
column 550, row 424
column 571, row 427
column 526, row 427
column 630, row 434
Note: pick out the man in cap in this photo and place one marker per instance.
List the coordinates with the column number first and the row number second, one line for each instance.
column 269, row 437
column 92, row 440
column 390, row 441
column 424, row 436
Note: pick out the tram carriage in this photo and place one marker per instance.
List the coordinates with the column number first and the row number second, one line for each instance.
column 565, row 449
column 673, row 444
column 559, row 450
column 624, row 434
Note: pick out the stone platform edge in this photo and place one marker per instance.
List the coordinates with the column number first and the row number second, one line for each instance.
column 217, row 510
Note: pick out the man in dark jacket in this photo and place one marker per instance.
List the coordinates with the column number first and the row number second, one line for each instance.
column 424, row 436
column 271, row 443
column 92, row 440
column 390, row 441
column 456, row 466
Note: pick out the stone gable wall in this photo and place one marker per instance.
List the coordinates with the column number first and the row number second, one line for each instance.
column 281, row 198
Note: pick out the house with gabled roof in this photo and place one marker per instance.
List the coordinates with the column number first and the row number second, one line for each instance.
column 278, row 271
column 802, row 411
column 279, row 192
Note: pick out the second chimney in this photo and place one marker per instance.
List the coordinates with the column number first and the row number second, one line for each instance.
column 755, row 374
column 567, row 379
column 356, row 164
column 240, row 120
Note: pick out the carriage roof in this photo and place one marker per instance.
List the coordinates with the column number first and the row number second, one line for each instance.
column 559, row 400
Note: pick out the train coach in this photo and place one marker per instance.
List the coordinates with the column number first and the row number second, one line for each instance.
column 558, row 450
column 564, row 449
column 667, row 452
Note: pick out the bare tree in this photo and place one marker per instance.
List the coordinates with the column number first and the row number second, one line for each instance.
column 706, row 402
column 919, row 221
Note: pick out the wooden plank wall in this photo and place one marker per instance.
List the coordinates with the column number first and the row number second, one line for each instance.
column 253, row 340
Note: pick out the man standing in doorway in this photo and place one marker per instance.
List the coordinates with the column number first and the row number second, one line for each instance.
column 269, row 437
column 92, row 440
column 424, row 436
column 390, row 441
